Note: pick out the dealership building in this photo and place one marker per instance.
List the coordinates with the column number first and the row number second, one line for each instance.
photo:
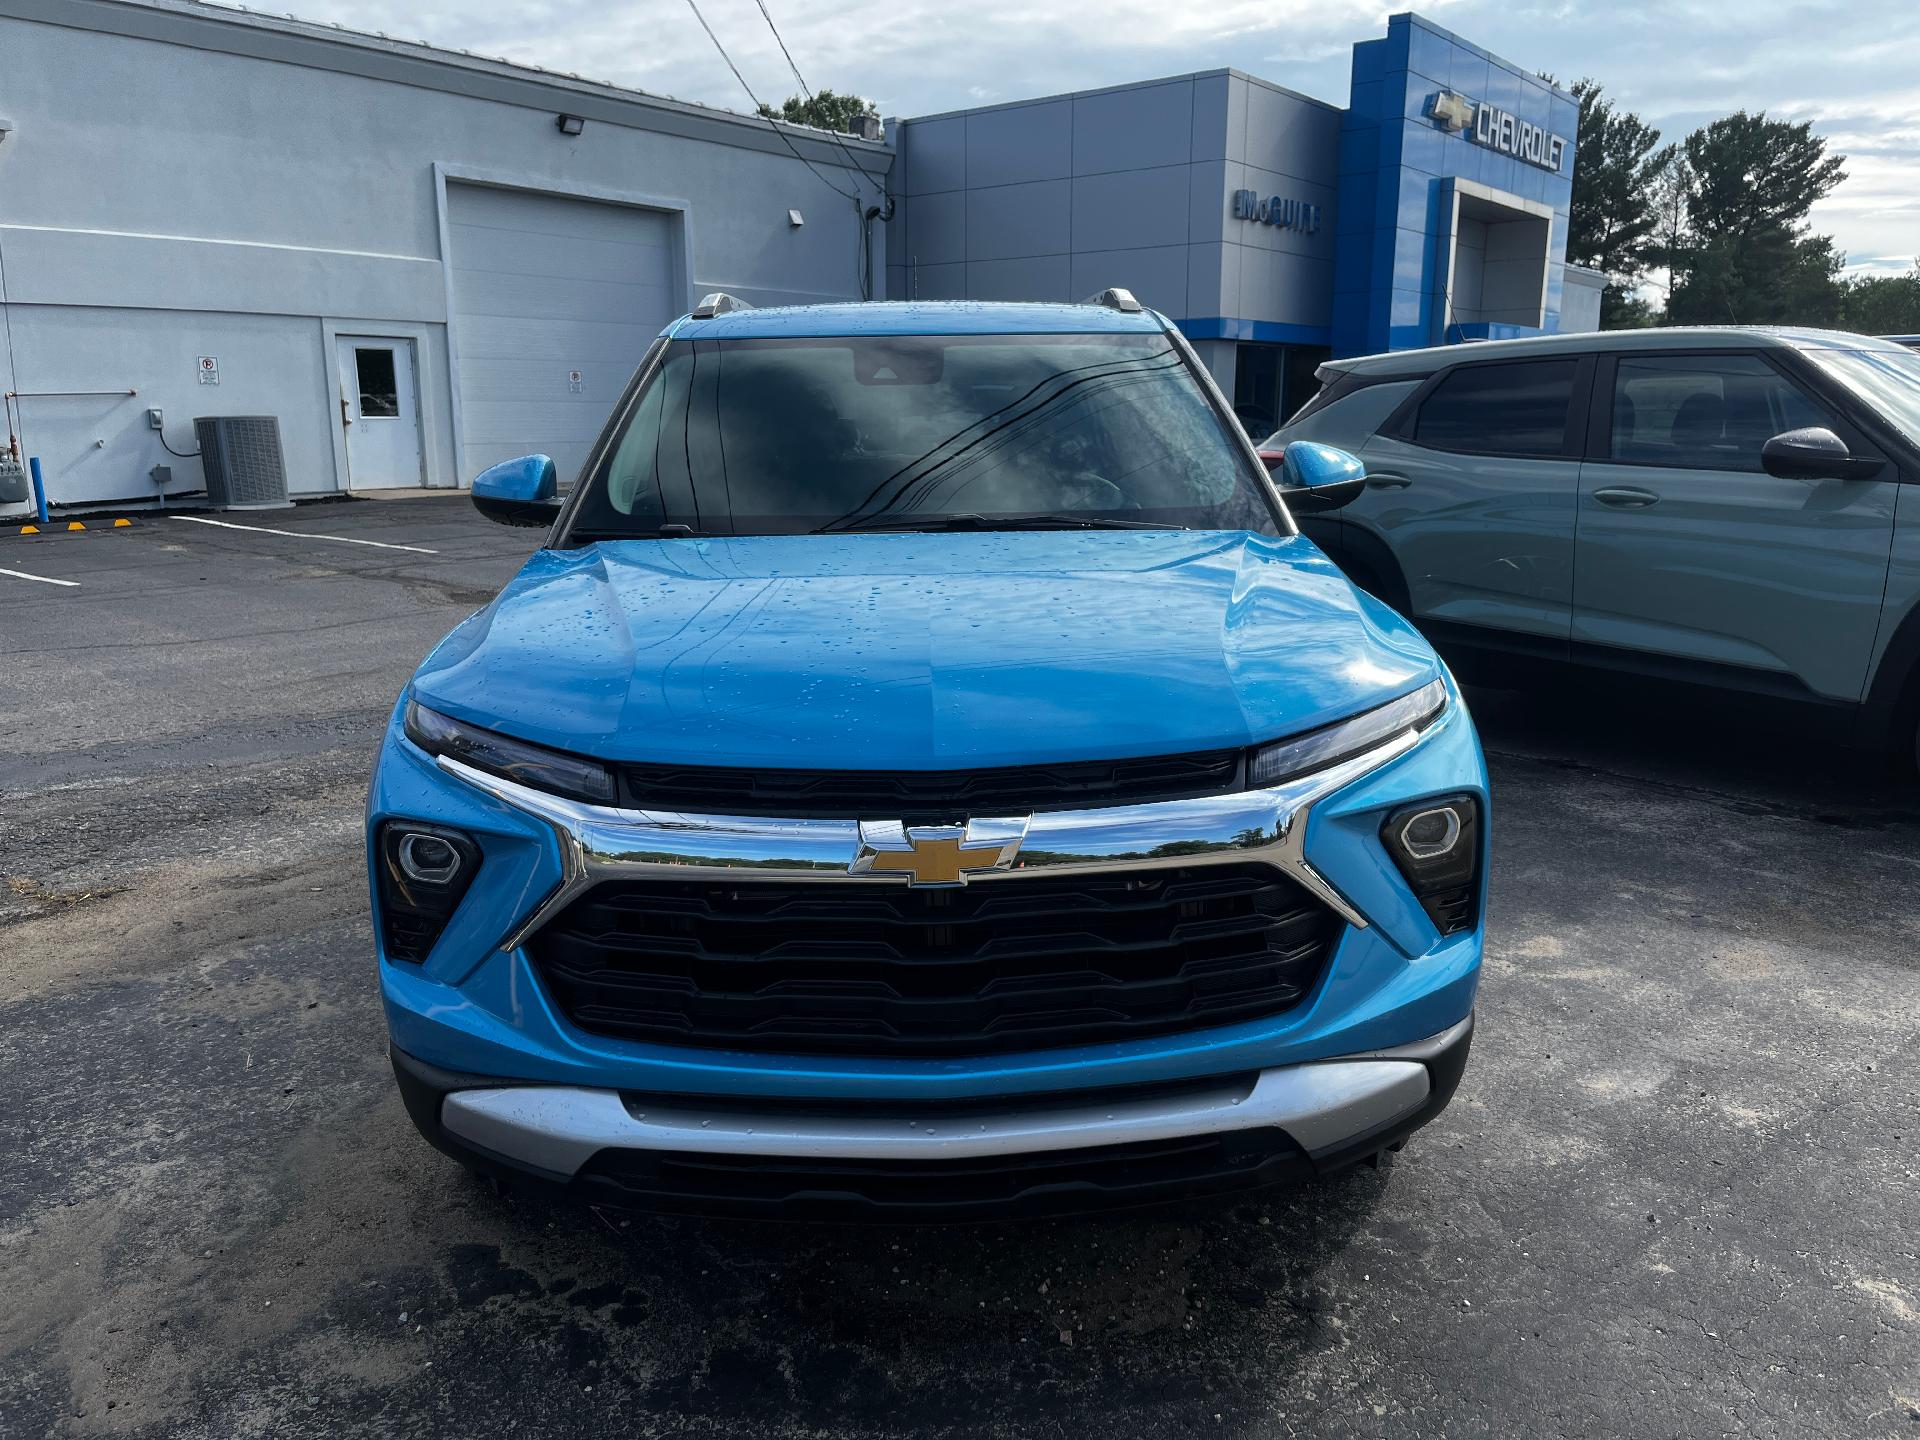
column 419, row 262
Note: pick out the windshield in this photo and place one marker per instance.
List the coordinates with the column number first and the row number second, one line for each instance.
column 902, row 432
column 1888, row 380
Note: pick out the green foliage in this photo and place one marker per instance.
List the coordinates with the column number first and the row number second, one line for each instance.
column 1770, row 277
column 825, row 111
column 1623, row 309
column 1882, row 304
column 1617, row 158
column 1746, row 257
column 1725, row 214
column 1668, row 198
column 1753, row 175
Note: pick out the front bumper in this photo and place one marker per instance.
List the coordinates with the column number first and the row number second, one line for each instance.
column 934, row 1162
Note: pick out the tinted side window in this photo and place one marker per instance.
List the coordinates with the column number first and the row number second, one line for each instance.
column 1516, row 409
column 1350, row 419
column 1703, row 412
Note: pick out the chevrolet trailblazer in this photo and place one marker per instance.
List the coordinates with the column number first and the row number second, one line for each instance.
column 925, row 773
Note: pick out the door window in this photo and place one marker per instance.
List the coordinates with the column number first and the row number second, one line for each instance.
column 1352, row 418
column 1517, row 409
column 379, row 389
column 1703, row 412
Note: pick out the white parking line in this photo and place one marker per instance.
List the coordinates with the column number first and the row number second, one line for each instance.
column 43, row 579
column 302, row 535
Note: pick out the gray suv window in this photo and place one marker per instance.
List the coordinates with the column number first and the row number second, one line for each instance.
column 1703, row 412
column 1508, row 409
column 1353, row 417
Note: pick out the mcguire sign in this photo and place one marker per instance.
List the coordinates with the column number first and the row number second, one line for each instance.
column 1497, row 130
column 1301, row 215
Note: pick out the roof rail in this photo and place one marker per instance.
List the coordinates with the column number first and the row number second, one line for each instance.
column 718, row 303
column 1114, row 298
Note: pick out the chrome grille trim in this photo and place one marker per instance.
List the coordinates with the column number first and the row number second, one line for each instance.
column 600, row 842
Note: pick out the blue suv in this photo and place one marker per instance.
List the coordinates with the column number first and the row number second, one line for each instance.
column 925, row 774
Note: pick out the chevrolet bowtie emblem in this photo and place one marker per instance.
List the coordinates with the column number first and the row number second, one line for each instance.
column 1450, row 110
column 937, row 854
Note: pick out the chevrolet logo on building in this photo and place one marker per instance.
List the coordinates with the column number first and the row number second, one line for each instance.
column 1497, row 129
column 1450, row 111
column 937, row 855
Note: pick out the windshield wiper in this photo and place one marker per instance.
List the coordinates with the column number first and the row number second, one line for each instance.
column 966, row 521
column 662, row 532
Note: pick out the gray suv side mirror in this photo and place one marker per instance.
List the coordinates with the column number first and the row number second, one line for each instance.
column 1815, row 453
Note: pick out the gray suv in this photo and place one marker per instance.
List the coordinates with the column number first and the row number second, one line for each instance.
column 1734, row 507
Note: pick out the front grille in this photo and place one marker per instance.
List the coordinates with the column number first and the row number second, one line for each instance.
column 990, row 1186
column 866, row 794
column 861, row 967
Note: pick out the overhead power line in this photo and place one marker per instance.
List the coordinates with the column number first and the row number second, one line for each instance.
column 805, row 90
column 785, row 139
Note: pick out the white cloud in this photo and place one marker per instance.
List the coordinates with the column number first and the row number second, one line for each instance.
column 1853, row 69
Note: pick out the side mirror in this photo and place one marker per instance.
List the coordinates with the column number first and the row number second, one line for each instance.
column 1316, row 478
column 518, row 492
column 1815, row 453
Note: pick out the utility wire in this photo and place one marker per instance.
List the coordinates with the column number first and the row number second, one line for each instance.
column 785, row 139
column 867, row 215
column 805, row 90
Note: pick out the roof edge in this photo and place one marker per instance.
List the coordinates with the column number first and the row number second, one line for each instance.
column 235, row 30
column 1220, row 70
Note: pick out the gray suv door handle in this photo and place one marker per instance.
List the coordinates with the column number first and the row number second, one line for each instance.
column 1388, row 480
column 1626, row 497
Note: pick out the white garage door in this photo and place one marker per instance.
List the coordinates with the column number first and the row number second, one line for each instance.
column 554, row 302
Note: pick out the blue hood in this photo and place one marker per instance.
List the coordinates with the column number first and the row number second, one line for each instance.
column 922, row 651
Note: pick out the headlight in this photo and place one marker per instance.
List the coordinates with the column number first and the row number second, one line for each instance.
column 1329, row 745
column 534, row 766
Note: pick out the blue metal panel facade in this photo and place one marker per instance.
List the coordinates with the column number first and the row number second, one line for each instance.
column 1248, row 213
column 1390, row 280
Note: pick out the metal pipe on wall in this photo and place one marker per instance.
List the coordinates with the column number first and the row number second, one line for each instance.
column 16, row 419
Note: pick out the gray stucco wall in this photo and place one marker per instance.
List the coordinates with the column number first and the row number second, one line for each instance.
column 1054, row 199
column 179, row 184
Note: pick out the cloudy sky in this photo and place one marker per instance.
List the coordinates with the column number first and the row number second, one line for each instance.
column 1852, row 68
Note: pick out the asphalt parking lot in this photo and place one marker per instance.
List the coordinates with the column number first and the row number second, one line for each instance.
column 1676, row 1196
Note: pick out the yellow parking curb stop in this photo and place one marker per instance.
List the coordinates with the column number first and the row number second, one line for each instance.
column 29, row 529
column 75, row 525
column 120, row 523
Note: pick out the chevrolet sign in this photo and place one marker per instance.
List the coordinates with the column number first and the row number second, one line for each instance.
column 1497, row 130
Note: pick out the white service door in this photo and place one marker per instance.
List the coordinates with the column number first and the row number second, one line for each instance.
column 380, row 408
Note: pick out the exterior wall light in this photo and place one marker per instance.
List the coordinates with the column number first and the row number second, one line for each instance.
column 569, row 124
column 796, row 219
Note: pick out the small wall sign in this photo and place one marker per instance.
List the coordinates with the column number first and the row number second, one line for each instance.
column 1288, row 214
column 209, row 369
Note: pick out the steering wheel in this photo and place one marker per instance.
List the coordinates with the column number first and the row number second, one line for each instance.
column 1084, row 490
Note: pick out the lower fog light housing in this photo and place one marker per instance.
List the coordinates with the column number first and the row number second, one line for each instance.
column 1436, row 845
column 424, row 871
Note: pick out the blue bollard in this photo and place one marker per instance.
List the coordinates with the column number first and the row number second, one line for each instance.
column 39, row 489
